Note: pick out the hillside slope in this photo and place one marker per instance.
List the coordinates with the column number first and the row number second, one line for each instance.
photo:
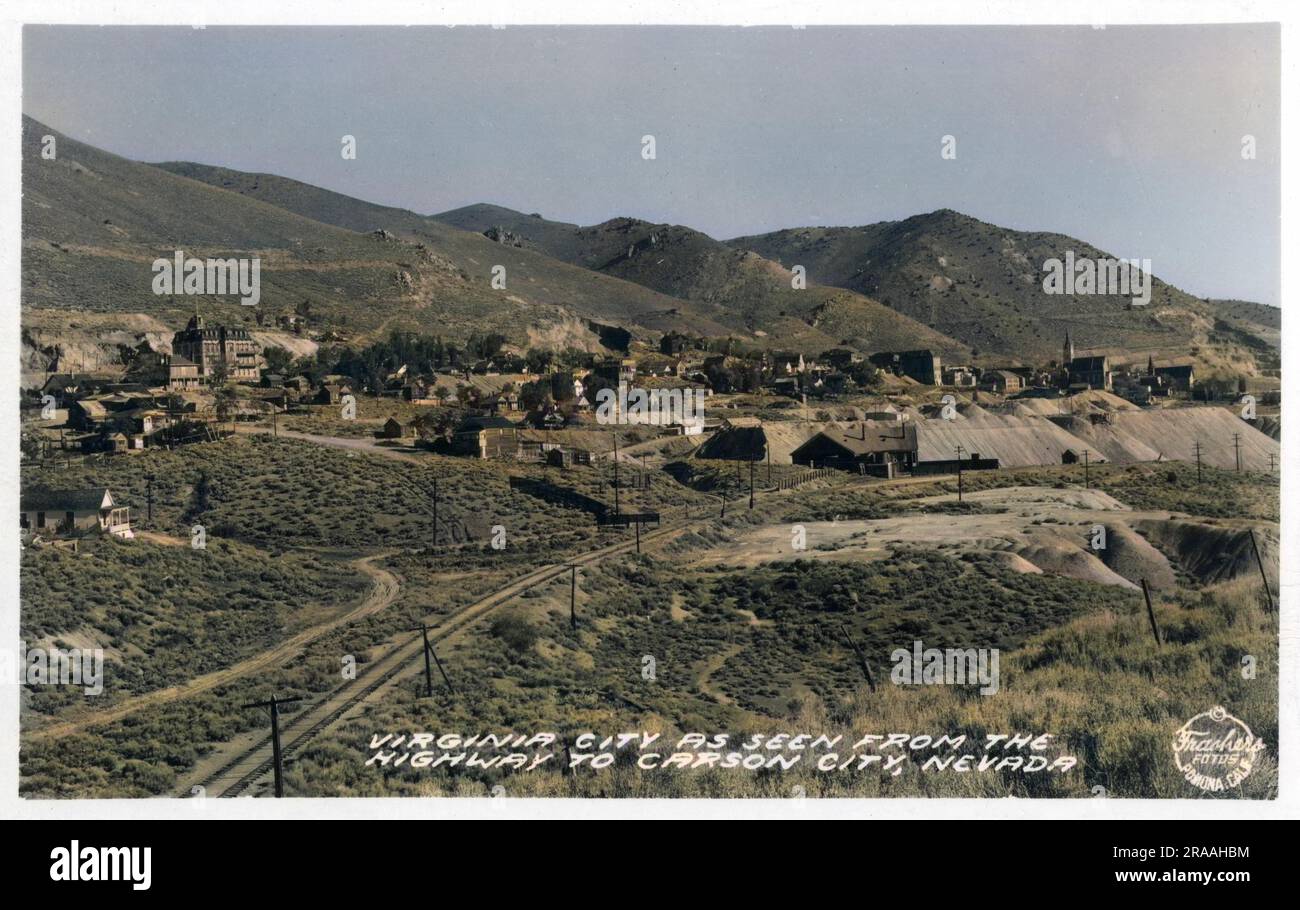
column 982, row 284
column 93, row 223
column 690, row 265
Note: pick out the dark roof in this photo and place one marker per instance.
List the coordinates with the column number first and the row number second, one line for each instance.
column 899, row 355
column 1179, row 370
column 864, row 439
column 45, row 500
column 61, row 381
column 1089, row 364
column 196, row 330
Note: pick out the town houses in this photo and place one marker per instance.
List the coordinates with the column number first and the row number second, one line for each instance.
column 848, row 408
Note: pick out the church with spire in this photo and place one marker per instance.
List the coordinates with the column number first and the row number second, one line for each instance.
column 1085, row 372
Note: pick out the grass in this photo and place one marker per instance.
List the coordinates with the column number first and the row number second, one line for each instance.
column 165, row 614
column 1080, row 665
column 282, row 493
column 732, row 651
column 1172, row 486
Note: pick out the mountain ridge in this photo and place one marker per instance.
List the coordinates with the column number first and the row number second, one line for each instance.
column 943, row 280
column 739, row 294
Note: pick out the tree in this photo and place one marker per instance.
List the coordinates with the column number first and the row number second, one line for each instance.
column 202, row 495
column 227, row 402
column 539, row 360
column 30, row 446
column 278, row 360
column 534, row 395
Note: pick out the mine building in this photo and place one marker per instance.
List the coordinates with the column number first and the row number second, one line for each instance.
column 877, row 449
column 1001, row 382
column 924, row 365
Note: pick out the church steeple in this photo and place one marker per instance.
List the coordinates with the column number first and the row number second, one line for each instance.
column 1067, row 350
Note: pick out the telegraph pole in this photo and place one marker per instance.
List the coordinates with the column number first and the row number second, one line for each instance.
column 862, row 658
column 1259, row 561
column 573, row 596
column 277, row 758
column 1236, row 445
column 1086, row 483
column 1198, row 461
column 723, row 497
column 428, row 671
column 1151, row 612
column 751, row 483
column 638, row 536
column 960, row 451
column 617, row 510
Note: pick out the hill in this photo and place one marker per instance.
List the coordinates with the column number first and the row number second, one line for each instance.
column 691, row 265
column 982, row 284
column 713, row 292
column 557, row 239
column 1255, row 325
column 94, row 222
column 530, row 273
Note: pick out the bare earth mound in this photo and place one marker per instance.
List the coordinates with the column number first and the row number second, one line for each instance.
column 1214, row 553
column 1129, row 554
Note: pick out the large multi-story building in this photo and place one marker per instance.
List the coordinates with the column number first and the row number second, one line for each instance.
column 924, row 366
column 1094, row 372
column 217, row 350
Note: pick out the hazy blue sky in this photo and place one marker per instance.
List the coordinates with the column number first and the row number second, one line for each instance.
column 1129, row 138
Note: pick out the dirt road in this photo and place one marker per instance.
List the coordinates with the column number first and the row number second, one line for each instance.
column 363, row 444
column 383, row 593
column 236, row 766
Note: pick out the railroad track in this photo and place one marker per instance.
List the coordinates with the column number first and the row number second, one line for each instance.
column 255, row 762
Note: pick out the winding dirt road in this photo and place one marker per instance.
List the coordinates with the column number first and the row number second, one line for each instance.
column 384, row 592
column 238, row 765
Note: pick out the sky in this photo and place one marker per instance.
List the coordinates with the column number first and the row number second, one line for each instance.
column 1129, row 138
